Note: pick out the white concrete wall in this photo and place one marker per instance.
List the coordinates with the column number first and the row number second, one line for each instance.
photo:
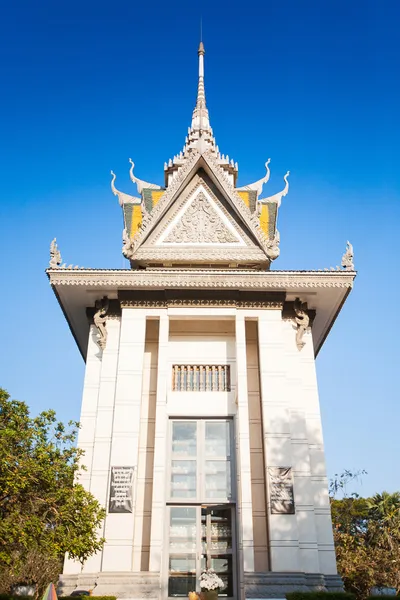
column 96, row 420
column 144, row 481
column 196, row 342
column 119, row 528
column 293, row 438
column 316, row 547
column 120, row 403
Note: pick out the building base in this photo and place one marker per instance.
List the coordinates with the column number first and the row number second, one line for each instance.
column 138, row 586
column 277, row 585
column 146, row 586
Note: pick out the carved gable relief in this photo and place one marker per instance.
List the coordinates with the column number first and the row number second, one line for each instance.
column 200, row 222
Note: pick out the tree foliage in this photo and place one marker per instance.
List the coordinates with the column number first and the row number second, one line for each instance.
column 44, row 510
column 367, row 537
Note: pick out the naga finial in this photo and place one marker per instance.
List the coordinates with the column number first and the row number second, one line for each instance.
column 122, row 197
column 127, row 245
column 348, row 258
column 277, row 198
column 113, row 188
column 258, row 185
column 140, row 184
column 273, row 250
column 55, row 255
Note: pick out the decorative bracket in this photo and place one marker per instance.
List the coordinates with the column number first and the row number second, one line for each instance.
column 99, row 319
column 302, row 320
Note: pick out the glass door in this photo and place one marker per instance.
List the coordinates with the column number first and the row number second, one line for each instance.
column 183, row 550
column 217, row 544
column 200, row 537
column 201, row 505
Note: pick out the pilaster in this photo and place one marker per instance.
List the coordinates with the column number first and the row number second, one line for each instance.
column 159, row 481
column 144, row 480
column 283, row 528
column 245, row 507
column 316, row 547
column 88, row 417
column 119, row 528
column 99, row 471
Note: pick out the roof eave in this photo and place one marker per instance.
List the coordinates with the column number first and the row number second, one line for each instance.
column 95, row 283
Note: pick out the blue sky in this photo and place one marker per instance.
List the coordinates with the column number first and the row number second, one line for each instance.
column 313, row 85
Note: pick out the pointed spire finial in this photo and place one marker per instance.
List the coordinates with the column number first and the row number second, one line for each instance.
column 201, row 95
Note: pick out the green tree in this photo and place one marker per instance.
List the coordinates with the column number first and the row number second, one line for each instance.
column 367, row 537
column 44, row 511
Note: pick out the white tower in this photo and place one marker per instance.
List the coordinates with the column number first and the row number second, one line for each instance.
column 200, row 412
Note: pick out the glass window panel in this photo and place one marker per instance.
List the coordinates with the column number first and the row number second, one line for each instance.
column 218, row 479
column 222, row 565
column 182, row 575
column 182, row 530
column 217, row 439
column 184, row 438
column 182, row 564
column 180, row 585
column 183, row 479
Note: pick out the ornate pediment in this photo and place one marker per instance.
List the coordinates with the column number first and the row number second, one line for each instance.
column 200, row 222
column 200, row 226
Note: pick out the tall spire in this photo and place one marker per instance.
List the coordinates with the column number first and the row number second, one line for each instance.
column 200, row 118
column 201, row 95
column 200, row 136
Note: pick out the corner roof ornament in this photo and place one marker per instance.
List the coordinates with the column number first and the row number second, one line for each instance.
column 122, row 197
column 258, row 185
column 140, row 184
column 348, row 258
column 55, row 255
column 277, row 198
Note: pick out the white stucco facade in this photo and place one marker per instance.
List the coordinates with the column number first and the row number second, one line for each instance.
column 128, row 404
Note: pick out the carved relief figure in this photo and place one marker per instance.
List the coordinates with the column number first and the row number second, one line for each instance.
column 99, row 319
column 348, row 258
column 201, row 224
column 302, row 321
column 55, row 255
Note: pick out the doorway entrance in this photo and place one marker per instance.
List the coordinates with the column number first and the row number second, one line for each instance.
column 201, row 537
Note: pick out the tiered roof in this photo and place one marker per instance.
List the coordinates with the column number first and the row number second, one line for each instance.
column 200, row 152
column 200, row 241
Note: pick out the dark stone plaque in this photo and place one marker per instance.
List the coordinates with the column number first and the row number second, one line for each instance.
column 121, row 490
column 281, row 490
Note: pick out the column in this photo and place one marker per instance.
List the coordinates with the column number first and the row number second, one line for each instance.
column 245, row 509
column 119, row 527
column 144, row 480
column 314, row 522
column 88, row 420
column 160, row 449
column 283, row 531
column 99, row 469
